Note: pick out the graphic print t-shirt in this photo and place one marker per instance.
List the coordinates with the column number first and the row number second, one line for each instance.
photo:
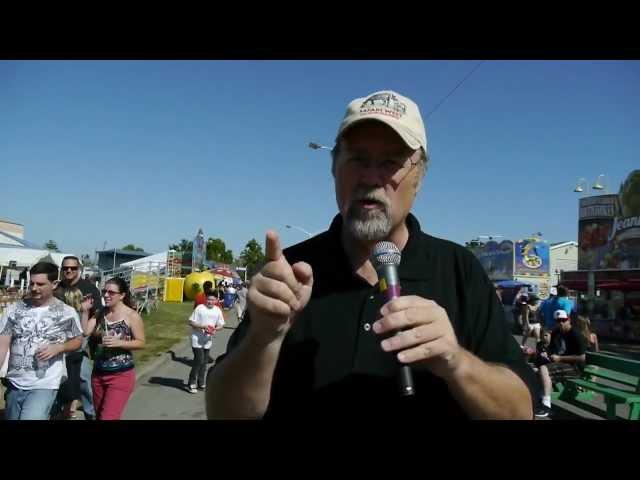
column 205, row 316
column 29, row 327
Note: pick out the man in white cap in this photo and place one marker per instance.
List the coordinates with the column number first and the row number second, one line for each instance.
column 318, row 336
column 557, row 301
column 567, row 355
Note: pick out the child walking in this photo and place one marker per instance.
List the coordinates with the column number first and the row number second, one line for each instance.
column 204, row 321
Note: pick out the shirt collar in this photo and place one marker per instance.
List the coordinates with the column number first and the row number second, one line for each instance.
column 415, row 255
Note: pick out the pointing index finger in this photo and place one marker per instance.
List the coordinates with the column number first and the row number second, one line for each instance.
column 273, row 249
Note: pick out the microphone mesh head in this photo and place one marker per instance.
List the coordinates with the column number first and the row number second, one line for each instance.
column 385, row 253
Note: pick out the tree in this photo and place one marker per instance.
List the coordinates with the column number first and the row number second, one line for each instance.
column 52, row 246
column 86, row 260
column 473, row 244
column 184, row 245
column 252, row 257
column 217, row 251
column 132, row 247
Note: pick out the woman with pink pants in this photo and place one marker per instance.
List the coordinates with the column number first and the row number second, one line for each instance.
column 119, row 333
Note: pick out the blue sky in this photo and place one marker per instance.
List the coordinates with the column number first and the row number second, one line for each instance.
column 147, row 152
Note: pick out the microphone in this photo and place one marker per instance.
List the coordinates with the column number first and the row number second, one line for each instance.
column 385, row 259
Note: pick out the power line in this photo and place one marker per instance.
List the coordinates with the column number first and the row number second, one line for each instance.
column 455, row 88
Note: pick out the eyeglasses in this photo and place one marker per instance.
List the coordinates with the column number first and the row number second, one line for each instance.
column 562, row 320
column 110, row 292
column 64, row 269
column 388, row 166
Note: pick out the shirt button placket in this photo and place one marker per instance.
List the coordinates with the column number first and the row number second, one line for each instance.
column 367, row 326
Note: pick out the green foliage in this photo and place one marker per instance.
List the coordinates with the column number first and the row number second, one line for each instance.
column 52, row 246
column 252, row 257
column 86, row 260
column 184, row 245
column 217, row 251
column 132, row 247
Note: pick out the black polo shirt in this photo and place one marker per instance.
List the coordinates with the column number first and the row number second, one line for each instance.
column 331, row 362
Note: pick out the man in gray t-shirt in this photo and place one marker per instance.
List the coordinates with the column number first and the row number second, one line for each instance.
column 39, row 330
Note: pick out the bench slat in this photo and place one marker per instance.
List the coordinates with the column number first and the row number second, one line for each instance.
column 626, row 397
column 612, row 362
column 596, row 371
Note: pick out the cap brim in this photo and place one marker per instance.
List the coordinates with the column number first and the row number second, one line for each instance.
column 406, row 136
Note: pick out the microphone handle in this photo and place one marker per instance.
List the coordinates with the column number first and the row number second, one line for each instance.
column 391, row 289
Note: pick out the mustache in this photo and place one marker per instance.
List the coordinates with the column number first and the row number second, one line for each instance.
column 371, row 196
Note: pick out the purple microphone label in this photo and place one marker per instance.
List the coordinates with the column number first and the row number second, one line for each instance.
column 392, row 291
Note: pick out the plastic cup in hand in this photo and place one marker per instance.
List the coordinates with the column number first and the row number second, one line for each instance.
column 41, row 365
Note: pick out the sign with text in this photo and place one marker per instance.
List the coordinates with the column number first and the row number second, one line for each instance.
column 609, row 228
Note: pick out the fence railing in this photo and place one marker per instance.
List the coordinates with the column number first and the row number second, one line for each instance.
column 145, row 280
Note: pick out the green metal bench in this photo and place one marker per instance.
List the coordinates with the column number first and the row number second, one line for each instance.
column 624, row 373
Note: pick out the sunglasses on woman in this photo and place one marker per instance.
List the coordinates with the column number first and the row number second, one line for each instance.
column 110, row 292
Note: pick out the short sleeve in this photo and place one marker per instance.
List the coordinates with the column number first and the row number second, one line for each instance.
column 6, row 322
column 74, row 329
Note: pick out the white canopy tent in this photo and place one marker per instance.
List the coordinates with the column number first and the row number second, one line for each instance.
column 147, row 264
column 26, row 257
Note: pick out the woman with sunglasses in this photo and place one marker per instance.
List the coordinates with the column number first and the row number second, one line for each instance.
column 116, row 335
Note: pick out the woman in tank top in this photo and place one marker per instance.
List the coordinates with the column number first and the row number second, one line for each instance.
column 116, row 335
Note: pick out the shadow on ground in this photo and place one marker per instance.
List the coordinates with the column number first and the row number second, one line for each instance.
column 188, row 361
column 185, row 360
column 177, row 383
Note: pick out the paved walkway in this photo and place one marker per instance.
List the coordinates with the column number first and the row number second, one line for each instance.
column 161, row 393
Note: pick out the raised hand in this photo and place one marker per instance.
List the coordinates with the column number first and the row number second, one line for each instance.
column 278, row 293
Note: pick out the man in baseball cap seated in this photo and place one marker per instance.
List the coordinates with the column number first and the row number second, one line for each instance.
column 567, row 355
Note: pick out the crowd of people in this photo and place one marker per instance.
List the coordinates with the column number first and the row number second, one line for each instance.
column 49, row 336
column 562, row 337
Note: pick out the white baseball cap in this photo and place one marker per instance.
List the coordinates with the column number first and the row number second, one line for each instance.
column 389, row 107
column 560, row 314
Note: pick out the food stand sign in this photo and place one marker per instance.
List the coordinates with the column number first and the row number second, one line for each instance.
column 609, row 228
column 531, row 258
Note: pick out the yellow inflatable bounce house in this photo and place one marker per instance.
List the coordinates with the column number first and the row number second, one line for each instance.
column 194, row 283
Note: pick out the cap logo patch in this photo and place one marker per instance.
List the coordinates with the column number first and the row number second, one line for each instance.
column 384, row 104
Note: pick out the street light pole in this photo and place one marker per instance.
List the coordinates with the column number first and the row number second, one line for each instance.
column 301, row 229
column 317, row 146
